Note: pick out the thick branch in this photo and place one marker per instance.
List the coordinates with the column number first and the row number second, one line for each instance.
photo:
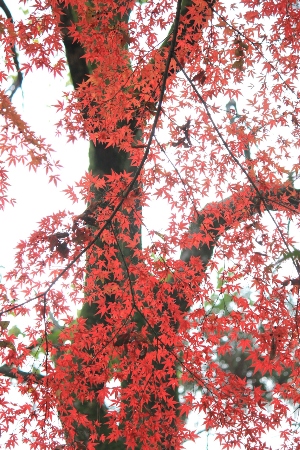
column 218, row 213
column 8, row 371
column 74, row 51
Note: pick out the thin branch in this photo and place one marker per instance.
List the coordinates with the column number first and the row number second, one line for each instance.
column 18, row 82
column 184, row 183
column 253, row 184
column 255, row 44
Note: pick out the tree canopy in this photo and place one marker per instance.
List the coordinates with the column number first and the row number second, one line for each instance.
column 192, row 102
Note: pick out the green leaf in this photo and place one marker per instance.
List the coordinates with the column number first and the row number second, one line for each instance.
column 15, row 331
column 54, row 336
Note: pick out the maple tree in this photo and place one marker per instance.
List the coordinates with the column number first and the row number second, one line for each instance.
column 152, row 323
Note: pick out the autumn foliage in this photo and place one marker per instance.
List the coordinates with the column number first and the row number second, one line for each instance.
column 205, row 316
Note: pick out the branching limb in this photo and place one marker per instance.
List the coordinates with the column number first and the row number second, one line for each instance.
column 217, row 213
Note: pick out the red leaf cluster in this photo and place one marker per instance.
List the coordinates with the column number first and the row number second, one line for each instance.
column 209, row 306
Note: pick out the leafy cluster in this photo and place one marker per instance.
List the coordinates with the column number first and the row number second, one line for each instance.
column 151, row 82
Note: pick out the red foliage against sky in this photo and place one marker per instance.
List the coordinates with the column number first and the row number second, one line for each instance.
column 161, row 321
